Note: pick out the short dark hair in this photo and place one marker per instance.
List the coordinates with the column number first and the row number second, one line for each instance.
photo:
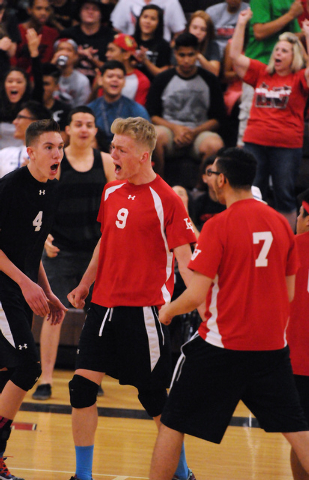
column 304, row 196
column 186, row 40
column 112, row 65
column 37, row 128
column 79, row 109
column 51, row 70
column 37, row 110
column 238, row 166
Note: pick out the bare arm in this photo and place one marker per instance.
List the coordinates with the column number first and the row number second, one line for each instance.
column 240, row 62
column 142, row 58
column 190, row 299
column 108, row 165
column 57, row 309
column 306, row 32
column 290, row 283
column 265, row 30
column 183, row 256
column 78, row 296
column 213, row 66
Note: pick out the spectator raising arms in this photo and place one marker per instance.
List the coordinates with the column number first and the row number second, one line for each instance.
column 154, row 52
column 201, row 26
column 274, row 133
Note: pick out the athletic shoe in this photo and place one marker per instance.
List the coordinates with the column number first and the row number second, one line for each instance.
column 100, row 391
column 75, row 478
column 4, row 472
column 43, row 392
column 191, row 476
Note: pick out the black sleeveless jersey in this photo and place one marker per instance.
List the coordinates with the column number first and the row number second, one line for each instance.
column 76, row 227
column 27, row 210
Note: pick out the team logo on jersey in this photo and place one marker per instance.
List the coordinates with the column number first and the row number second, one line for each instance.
column 195, row 253
column 277, row 97
column 132, row 197
column 42, row 192
column 188, row 224
column 25, row 346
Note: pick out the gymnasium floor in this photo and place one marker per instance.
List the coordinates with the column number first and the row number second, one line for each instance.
column 41, row 446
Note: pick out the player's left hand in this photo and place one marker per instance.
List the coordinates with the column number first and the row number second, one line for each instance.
column 164, row 317
column 57, row 310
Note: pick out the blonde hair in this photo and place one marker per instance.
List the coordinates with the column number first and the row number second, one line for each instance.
column 210, row 31
column 299, row 54
column 137, row 128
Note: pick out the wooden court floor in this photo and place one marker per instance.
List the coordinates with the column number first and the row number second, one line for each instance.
column 125, row 439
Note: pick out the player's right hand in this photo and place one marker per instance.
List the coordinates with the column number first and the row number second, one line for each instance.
column 51, row 250
column 78, row 296
column 35, row 297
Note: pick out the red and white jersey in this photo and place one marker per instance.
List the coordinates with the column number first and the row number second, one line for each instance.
column 277, row 111
column 136, row 86
column 140, row 225
column 298, row 329
column 248, row 250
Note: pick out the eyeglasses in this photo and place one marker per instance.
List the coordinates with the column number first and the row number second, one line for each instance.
column 20, row 117
column 210, row 172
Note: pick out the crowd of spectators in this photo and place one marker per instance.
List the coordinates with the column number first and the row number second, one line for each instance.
column 165, row 60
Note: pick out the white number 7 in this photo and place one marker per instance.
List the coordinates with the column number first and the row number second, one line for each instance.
column 266, row 237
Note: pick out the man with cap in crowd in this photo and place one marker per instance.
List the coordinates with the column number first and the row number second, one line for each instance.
column 91, row 36
column 74, row 87
column 137, row 84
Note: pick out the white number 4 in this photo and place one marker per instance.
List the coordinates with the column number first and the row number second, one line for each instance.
column 267, row 238
column 37, row 222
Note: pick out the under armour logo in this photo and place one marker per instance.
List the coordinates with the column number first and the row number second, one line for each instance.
column 195, row 253
column 25, row 346
column 131, row 196
column 188, row 224
column 42, row 192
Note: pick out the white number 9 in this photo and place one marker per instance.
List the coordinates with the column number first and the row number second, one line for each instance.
column 122, row 216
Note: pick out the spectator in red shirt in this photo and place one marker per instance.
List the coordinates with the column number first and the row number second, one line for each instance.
column 39, row 12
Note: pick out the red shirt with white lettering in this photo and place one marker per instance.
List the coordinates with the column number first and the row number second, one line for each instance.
column 277, row 113
column 248, row 250
column 140, row 225
column 298, row 329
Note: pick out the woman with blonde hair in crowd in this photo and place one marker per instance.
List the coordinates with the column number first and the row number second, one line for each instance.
column 275, row 129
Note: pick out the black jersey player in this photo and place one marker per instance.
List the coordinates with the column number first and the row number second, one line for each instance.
column 28, row 200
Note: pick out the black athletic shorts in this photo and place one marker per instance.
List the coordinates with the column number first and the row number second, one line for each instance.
column 209, row 381
column 17, row 344
column 302, row 384
column 127, row 343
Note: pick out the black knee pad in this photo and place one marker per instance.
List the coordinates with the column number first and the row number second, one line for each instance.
column 83, row 392
column 153, row 401
column 5, row 376
column 26, row 375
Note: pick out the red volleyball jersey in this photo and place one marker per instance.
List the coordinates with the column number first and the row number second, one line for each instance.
column 248, row 250
column 298, row 329
column 140, row 225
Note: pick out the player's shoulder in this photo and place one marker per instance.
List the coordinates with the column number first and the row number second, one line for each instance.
column 112, row 187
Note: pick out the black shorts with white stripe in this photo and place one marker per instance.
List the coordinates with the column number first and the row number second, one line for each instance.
column 127, row 343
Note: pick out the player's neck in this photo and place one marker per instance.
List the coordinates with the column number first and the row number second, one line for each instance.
column 79, row 154
column 234, row 196
column 145, row 176
column 90, row 29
